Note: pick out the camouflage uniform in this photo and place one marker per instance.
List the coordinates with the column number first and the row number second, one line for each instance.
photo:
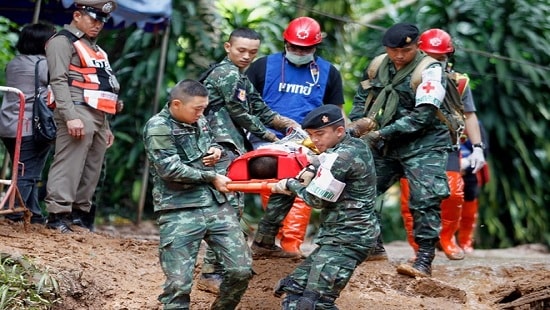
column 348, row 231
column 414, row 145
column 189, row 210
column 234, row 105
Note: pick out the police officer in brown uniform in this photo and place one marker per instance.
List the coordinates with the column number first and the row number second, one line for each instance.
column 84, row 90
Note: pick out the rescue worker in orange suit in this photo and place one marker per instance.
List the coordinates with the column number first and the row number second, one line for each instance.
column 85, row 93
column 437, row 44
column 472, row 185
column 293, row 83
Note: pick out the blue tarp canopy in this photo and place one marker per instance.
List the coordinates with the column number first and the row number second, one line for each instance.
column 146, row 14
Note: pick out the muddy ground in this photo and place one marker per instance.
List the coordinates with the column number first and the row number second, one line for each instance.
column 117, row 268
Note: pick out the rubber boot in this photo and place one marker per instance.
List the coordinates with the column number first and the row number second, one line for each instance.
column 451, row 209
column 407, row 216
column 422, row 266
column 468, row 225
column 293, row 232
column 294, row 227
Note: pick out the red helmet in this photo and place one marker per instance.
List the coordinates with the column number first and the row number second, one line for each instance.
column 436, row 41
column 303, row 31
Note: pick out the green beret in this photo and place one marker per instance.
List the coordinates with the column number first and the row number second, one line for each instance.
column 322, row 116
column 400, row 35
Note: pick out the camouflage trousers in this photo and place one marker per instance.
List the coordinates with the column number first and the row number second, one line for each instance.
column 210, row 263
column 425, row 171
column 181, row 233
column 321, row 277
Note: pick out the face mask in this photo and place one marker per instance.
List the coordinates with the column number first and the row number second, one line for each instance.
column 299, row 59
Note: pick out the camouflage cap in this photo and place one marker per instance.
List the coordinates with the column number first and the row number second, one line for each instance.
column 322, row 116
column 400, row 35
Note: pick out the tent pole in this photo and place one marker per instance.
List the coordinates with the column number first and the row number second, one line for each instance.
column 36, row 14
column 162, row 64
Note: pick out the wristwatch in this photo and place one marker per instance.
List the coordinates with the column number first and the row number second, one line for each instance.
column 481, row 145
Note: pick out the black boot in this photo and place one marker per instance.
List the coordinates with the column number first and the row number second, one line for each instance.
column 421, row 267
column 308, row 300
column 59, row 222
column 378, row 252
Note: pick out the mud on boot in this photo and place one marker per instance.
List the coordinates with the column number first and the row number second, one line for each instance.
column 378, row 253
column 263, row 250
column 210, row 282
column 422, row 266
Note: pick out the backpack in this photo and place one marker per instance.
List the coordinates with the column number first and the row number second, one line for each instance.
column 451, row 112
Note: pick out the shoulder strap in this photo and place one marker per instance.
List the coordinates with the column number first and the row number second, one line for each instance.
column 416, row 76
column 36, row 78
column 374, row 65
column 206, row 73
column 372, row 71
column 67, row 34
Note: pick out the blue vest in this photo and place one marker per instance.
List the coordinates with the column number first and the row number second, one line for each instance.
column 298, row 93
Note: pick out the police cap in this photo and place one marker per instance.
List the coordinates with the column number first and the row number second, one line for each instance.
column 323, row 116
column 97, row 9
column 400, row 35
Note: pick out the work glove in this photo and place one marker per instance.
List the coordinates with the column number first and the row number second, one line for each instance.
column 477, row 159
column 361, row 126
column 283, row 123
column 270, row 136
column 280, row 188
column 306, row 175
column 464, row 164
column 374, row 139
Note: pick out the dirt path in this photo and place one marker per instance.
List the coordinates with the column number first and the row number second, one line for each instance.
column 117, row 268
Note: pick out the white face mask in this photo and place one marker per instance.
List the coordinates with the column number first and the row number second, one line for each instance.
column 299, row 59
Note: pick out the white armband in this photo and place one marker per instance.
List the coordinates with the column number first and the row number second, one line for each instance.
column 430, row 91
column 324, row 185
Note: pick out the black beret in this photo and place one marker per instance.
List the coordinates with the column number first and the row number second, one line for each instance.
column 322, row 116
column 400, row 35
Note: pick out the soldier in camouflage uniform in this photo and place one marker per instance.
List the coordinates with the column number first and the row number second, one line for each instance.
column 349, row 226
column 408, row 139
column 235, row 107
column 188, row 200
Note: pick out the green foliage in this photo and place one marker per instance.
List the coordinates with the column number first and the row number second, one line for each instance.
column 503, row 46
column 8, row 39
column 498, row 43
column 23, row 286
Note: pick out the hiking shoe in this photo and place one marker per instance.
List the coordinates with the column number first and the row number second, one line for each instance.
column 261, row 250
column 378, row 253
column 59, row 222
column 409, row 270
column 210, row 282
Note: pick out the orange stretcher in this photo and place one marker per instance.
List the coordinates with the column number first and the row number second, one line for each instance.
column 289, row 164
column 13, row 191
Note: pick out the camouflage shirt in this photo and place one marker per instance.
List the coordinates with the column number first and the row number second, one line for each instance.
column 409, row 128
column 175, row 151
column 234, row 105
column 351, row 218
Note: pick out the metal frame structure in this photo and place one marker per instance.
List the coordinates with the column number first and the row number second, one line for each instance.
column 13, row 191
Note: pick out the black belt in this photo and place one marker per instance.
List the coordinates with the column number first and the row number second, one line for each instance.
column 80, row 103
